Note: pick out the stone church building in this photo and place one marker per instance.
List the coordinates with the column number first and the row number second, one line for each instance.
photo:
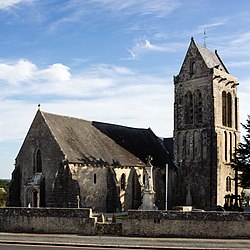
column 70, row 162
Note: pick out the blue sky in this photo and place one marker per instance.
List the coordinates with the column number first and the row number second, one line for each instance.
column 108, row 60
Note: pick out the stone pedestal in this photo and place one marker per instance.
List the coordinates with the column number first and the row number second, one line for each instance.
column 148, row 201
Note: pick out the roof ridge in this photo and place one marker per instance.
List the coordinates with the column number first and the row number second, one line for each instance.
column 66, row 116
column 119, row 125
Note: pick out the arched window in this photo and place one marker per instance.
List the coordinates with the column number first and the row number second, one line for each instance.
column 225, row 145
column 236, row 112
column 228, row 184
column 189, row 108
column 197, row 145
column 193, row 68
column 123, row 181
column 38, row 161
column 235, row 141
column 179, row 145
column 204, row 144
column 224, row 108
column 230, row 146
column 94, row 178
column 229, row 110
column 198, row 107
column 188, row 146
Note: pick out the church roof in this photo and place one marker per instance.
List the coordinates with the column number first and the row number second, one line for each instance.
column 103, row 143
column 81, row 142
column 140, row 142
column 209, row 57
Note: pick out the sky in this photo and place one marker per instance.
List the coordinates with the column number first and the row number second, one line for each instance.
column 109, row 60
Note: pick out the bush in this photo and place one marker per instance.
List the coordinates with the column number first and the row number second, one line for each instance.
column 3, row 197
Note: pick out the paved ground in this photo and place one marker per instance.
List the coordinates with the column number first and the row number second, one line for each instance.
column 123, row 242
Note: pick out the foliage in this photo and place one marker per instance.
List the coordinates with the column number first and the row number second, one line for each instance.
column 241, row 161
column 4, row 184
column 3, row 196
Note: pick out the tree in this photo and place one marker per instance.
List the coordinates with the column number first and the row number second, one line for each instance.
column 3, row 196
column 241, row 160
column 4, row 185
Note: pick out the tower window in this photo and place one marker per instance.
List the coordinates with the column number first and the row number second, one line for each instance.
column 224, row 112
column 228, row 184
column 229, row 110
column 236, row 112
column 198, row 106
column 231, row 145
column 94, row 178
column 225, row 145
column 226, row 109
column 189, row 108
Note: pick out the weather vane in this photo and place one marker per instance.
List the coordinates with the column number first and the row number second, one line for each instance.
column 204, row 39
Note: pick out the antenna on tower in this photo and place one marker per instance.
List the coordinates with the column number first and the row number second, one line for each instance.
column 204, row 39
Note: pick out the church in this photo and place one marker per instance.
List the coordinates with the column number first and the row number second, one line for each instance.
column 71, row 162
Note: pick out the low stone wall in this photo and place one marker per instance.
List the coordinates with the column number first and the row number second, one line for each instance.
column 187, row 224
column 108, row 228
column 47, row 220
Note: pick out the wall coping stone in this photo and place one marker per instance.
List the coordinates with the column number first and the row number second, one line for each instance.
column 46, row 212
column 193, row 215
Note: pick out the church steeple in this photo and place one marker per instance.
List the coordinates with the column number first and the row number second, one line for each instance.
column 204, row 93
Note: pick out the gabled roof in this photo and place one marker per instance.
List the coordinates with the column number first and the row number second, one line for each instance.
column 206, row 60
column 81, row 142
column 211, row 59
column 102, row 143
column 140, row 142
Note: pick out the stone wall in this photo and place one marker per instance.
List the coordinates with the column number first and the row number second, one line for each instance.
column 47, row 220
column 187, row 224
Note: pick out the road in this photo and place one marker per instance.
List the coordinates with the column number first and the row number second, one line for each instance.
column 28, row 247
column 52, row 241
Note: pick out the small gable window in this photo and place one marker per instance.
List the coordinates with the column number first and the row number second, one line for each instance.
column 193, row 68
column 38, row 161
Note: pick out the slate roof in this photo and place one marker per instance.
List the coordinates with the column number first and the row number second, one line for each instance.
column 140, row 142
column 81, row 142
column 211, row 59
column 103, row 143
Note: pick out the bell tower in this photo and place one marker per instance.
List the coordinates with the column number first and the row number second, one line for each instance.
column 206, row 129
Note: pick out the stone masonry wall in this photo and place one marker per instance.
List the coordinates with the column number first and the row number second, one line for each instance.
column 47, row 220
column 187, row 224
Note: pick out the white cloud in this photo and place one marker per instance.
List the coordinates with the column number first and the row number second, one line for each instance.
column 102, row 92
column 25, row 71
column 143, row 46
column 242, row 39
column 15, row 72
column 55, row 72
column 6, row 4
column 214, row 23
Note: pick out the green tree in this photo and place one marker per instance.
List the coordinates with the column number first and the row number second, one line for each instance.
column 4, row 186
column 3, row 196
column 241, row 161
